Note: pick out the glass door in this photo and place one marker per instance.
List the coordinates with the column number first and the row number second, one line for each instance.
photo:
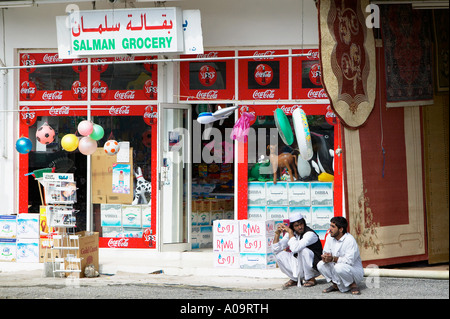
column 174, row 177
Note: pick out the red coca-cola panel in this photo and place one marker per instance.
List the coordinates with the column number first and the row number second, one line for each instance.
column 263, row 77
column 65, row 83
column 208, row 79
column 124, row 82
column 307, row 76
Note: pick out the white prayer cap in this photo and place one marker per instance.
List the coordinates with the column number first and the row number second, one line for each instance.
column 295, row 217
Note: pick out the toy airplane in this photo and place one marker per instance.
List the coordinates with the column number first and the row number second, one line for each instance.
column 220, row 115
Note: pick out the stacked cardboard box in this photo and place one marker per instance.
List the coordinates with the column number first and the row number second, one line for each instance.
column 119, row 220
column 8, row 234
column 28, row 238
column 243, row 243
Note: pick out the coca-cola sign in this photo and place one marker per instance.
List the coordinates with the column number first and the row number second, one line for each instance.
column 150, row 89
column 118, row 243
column 27, row 117
column 207, row 75
column 119, row 110
column 150, row 115
column 52, row 95
column 315, row 74
column 56, row 111
column 263, row 74
column 51, row 58
column 207, row 95
column 317, row 94
column 28, row 60
column 27, row 90
column 79, row 90
column 261, row 95
column 99, row 90
column 127, row 95
column 307, row 76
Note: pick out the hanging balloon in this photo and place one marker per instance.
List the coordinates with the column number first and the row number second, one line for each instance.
column 69, row 142
column 87, row 146
column 284, row 127
column 97, row 132
column 23, row 145
column 111, row 147
column 85, row 127
column 45, row 134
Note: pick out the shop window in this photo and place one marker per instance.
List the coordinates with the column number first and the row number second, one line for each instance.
column 54, row 79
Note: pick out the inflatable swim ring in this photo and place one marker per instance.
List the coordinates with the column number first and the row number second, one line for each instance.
column 284, row 127
column 302, row 133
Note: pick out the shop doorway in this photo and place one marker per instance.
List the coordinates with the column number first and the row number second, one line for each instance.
column 175, row 177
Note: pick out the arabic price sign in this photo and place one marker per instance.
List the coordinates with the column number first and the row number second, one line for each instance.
column 126, row 31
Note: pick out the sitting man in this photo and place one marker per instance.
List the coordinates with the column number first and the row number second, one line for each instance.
column 341, row 262
column 298, row 252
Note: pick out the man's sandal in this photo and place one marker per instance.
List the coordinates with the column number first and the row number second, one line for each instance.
column 290, row 283
column 330, row 289
column 310, row 283
column 355, row 291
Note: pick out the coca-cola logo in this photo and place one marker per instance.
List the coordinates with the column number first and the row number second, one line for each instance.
column 317, row 94
column 207, row 95
column 121, row 110
column 79, row 90
column 51, row 58
column 128, row 95
column 313, row 54
column 330, row 117
column 150, row 115
column 27, row 117
column 55, row 111
column 52, row 96
column 267, row 94
column 117, row 242
column 77, row 67
column 99, row 67
column 99, row 90
column 207, row 75
column 250, row 110
column 150, row 67
column 315, row 74
column 27, row 90
column 150, row 89
column 211, row 54
column 28, row 60
column 258, row 56
column 288, row 110
column 263, row 74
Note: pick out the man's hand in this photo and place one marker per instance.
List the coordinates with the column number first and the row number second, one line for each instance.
column 327, row 257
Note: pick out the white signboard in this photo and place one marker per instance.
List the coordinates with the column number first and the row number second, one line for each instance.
column 126, row 31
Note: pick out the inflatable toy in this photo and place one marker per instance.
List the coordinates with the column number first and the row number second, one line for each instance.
column 24, row 145
column 302, row 133
column 242, row 127
column 283, row 126
column 97, row 132
column 45, row 134
column 69, row 142
column 85, row 127
column 87, row 146
column 111, row 147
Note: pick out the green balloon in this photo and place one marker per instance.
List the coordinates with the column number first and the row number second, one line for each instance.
column 97, row 132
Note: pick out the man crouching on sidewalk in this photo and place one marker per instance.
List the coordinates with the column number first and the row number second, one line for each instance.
column 298, row 252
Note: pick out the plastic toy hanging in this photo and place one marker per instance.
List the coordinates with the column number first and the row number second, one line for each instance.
column 242, row 127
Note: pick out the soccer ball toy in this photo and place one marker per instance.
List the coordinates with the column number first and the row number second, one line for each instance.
column 45, row 134
column 111, row 147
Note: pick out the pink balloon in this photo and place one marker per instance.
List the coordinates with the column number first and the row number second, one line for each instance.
column 242, row 127
column 87, row 146
column 85, row 127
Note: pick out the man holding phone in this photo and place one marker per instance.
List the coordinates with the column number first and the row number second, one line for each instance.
column 298, row 252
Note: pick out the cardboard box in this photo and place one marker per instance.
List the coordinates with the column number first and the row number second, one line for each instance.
column 228, row 214
column 225, row 227
column 321, row 194
column 131, row 216
column 277, row 212
column 226, row 244
column 205, row 237
column 204, row 218
column 8, row 249
column 8, row 226
column 249, row 228
column 277, row 194
column 256, row 212
column 257, row 261
column 305, row 211
column 256, row 244
column 27, row 250
column 146, row 213
column 112, row 232
column 102, row 175
column 88, row 251
column 28, row 226
column 216, row 215
column 321, row 216
column 256, row 193
column 299, row 194
column 226, row 260
column 111, row 215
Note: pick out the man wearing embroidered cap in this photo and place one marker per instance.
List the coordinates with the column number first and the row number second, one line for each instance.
column 298, row 252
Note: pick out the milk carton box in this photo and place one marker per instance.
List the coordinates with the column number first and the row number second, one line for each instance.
column 321, row 216
column 299, row 194
column 277, row 212
column 8, row 226
column 256, row 212
column 257, row 261
column 27, row 250
column 256, row 244
column 8, row 248
column 226, row 244
column 256, row 193
column 131, row 216
column 277, row 194
column 226, row 228
column 321, row 194
column 249, row 228
column 28, row 226
column 226, row 260
column 111, row 215
column 305, row 211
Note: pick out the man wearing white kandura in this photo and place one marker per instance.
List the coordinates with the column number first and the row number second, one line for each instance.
column 341, row 262
column 298, row 252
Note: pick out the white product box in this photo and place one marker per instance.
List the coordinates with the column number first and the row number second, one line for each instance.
column 27, row 250
column 228, row 214
column 321, row 194
column 256, row 193
column 226, row 260
column 112, row 231
column 277, row 194
column 277, row 212
column 258, row 244
column 305, row 211
column 299, row 194
column 256, row 212
column 256, row 227
column 216, row 215
column 111, row 215
column 321, row 216
column 146, row 212
column 131, row 216
column 257, row 261
column 132, row 232
column 194, row 218
column 226, row 244
column 226, row 227
column 8, row 249
column 205, row 237
column 28, row 226
column 8, row 226
column 204, row 218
